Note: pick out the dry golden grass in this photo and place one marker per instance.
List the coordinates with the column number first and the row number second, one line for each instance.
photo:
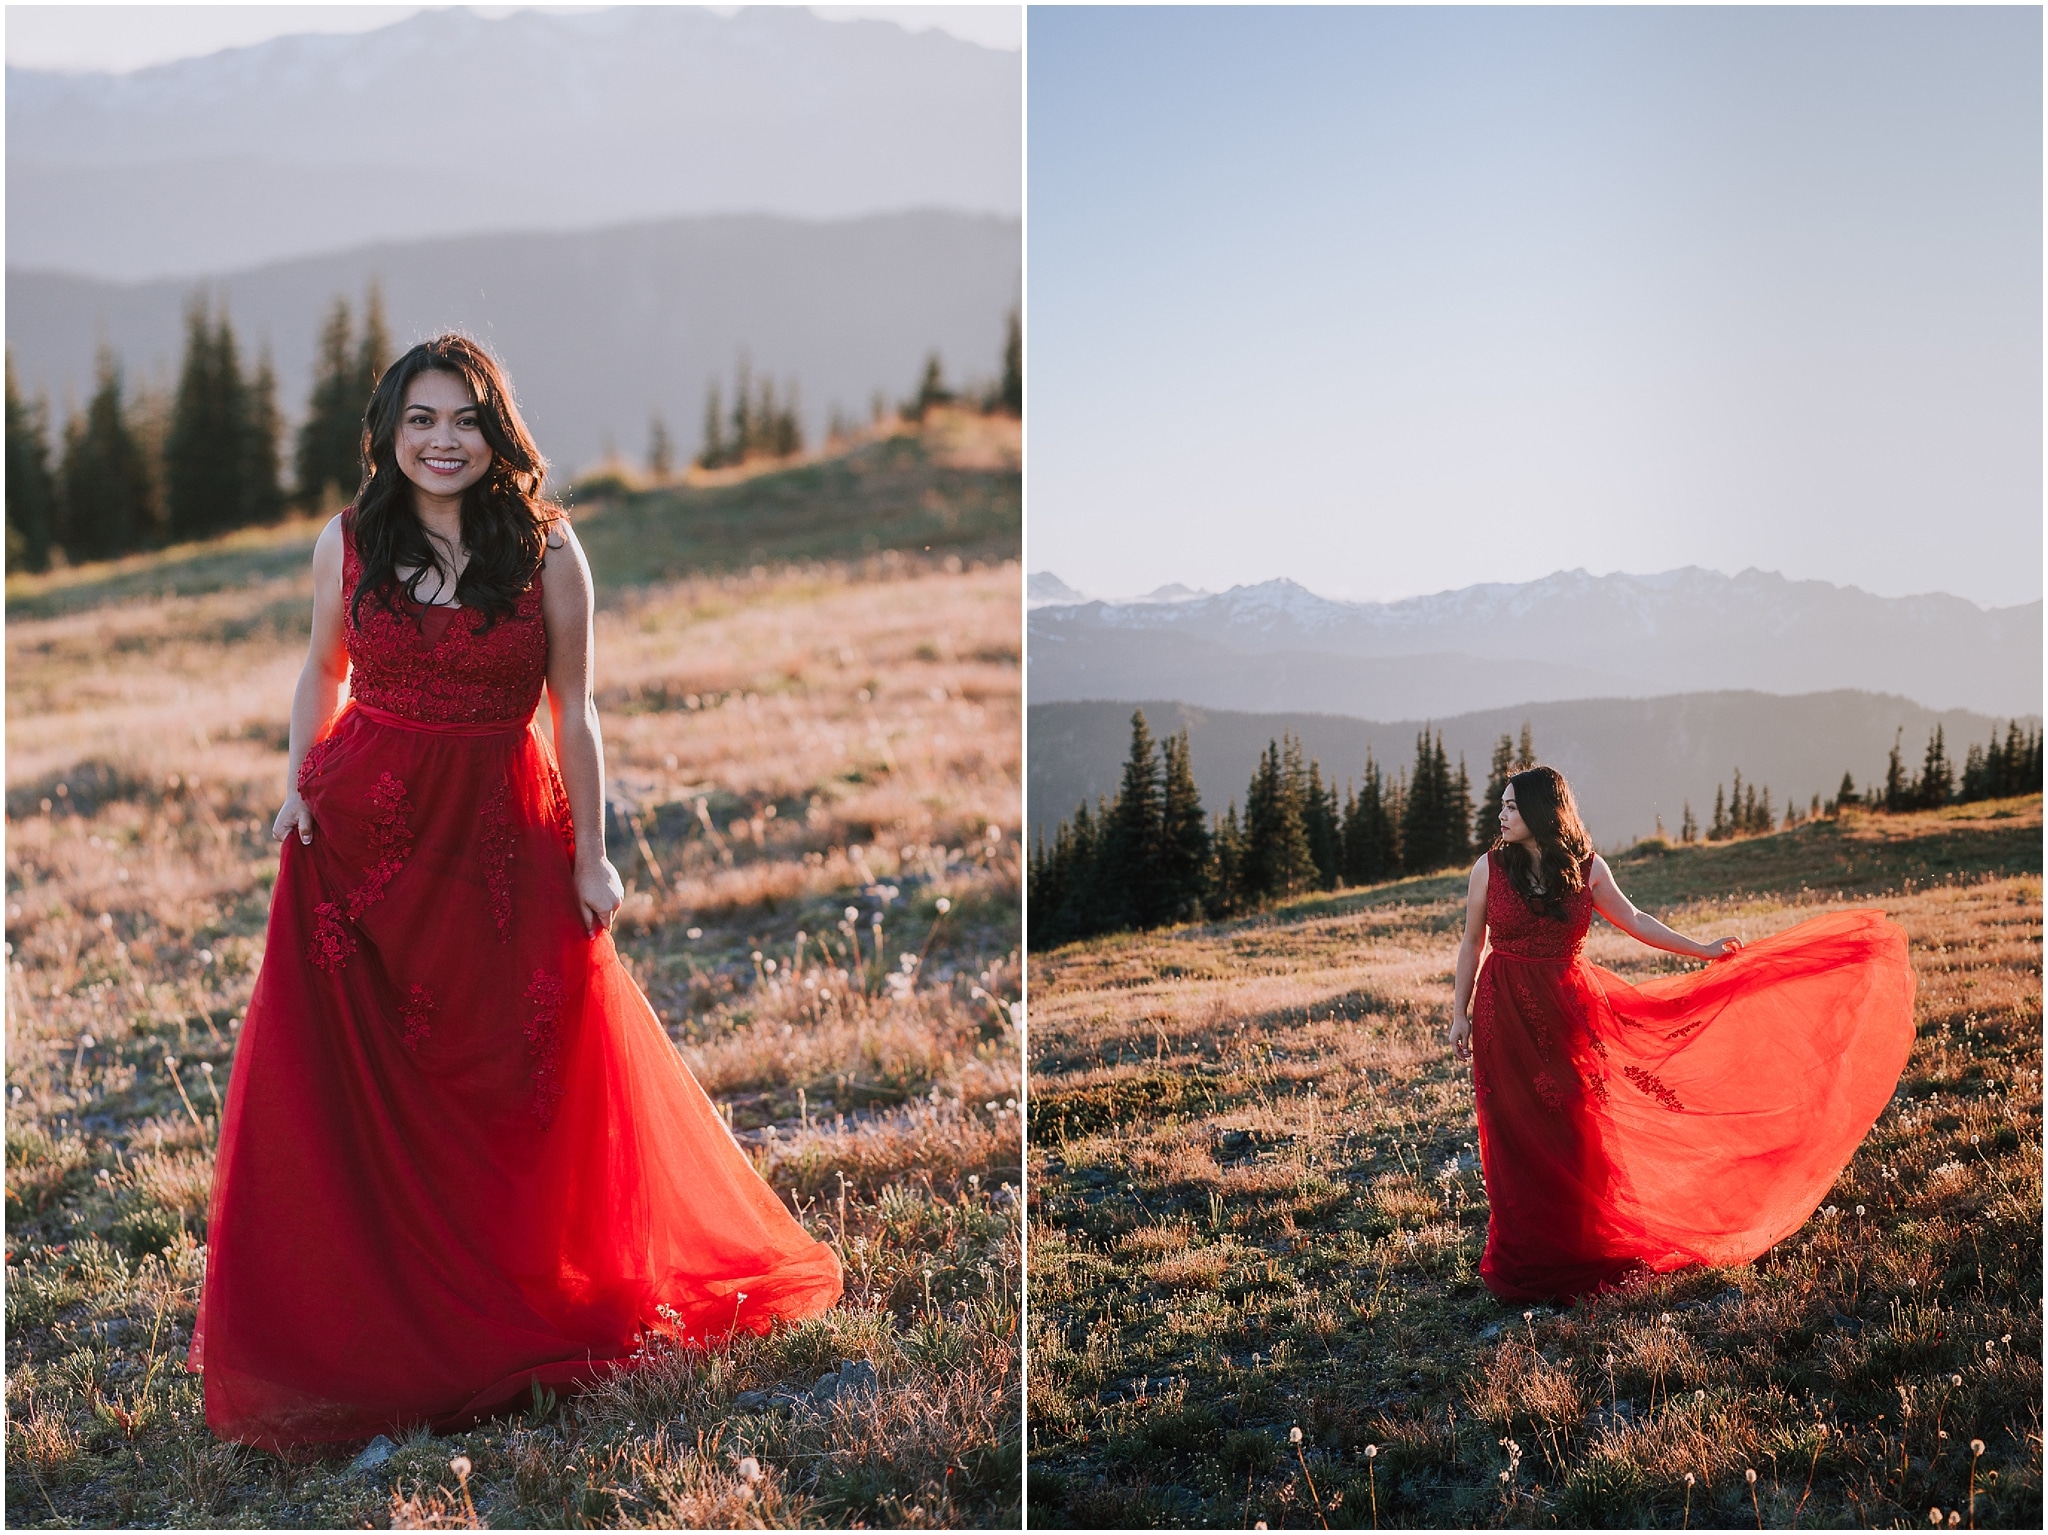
column 1256, row 1207
column 784, row 744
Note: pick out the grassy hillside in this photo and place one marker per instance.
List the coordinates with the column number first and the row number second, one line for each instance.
column 783, row 744
column 952, row 489
column 1256, row 1208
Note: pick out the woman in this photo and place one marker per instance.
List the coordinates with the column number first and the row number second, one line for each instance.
column 459, row 1158
column 1627, row 1130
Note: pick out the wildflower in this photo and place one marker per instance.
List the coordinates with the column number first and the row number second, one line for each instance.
column 460, row 1466
column 1750, row 1476
column 695, row 932
column 1688, row 1478
column 1294, row 1436
column 1699, row 1396
column 750, row 1468
column 86, row 1041
column 1955, row 1380
column 206, row 1068
column 1372, row 1452
column 1859, row 1209
column 944, row 905
column 206, row 956
column 1976, row 1447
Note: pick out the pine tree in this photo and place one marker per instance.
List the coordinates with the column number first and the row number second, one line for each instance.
column 1688, row 826
column 1897, row 792
column 1717, row 829
column 1226, row 881
column 712, row 455
column 931, row 390
column 327, row 458
column 1763, row 820
column 105, row 495
column 661, row 457
column 1525, row 749
column 263, row 497
column 1320, row 820
column 1486, row 824
column 220, row 454
column 1011, row 394
column 1294, row 864
column 1184, row 837
column 1427, row 815
column 1079, row 913
column 31, row 489
column 1371, row 842
column 1458, row 818
column 1936, row 784
column 1131, row 841
column 1845, row 793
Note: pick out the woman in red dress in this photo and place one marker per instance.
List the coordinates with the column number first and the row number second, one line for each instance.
column 459, row 1156
column 1627, row 1130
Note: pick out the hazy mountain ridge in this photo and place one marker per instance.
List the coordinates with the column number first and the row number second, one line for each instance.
column 597, row 328
column 1629, row 760
column 1278, row 644
column 295, row 146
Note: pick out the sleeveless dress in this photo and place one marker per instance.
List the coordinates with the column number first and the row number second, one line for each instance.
column 1697, row 1119
column 458, row 1154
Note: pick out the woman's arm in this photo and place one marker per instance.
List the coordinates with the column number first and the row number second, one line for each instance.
column 1644, row 928
column 319, row 690
column 1468, row 962
column 567, row 608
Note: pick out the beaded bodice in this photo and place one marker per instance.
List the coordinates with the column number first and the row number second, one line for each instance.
column 443, row 665
column 1520, row 931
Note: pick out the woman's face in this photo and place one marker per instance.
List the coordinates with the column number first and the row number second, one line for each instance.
column 1512, row 827
column 440, row 442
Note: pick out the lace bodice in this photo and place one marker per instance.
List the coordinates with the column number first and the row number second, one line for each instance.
column 443, row 665
column 1519, row 930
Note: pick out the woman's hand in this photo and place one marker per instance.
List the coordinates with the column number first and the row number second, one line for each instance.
column 599, row 893
column 1720, row 948
column 1461, row 1039
column 294, row 817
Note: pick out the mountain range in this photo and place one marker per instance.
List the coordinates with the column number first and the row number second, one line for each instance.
column 1630, row 761
column 598, row 329
column 451, row 123
column 1278, row 646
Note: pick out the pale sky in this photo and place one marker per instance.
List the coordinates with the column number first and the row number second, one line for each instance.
column 121, row 38
column 1390, row 301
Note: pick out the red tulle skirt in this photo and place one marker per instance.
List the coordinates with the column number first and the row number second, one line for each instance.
column 459, row 1155
column 1698, row 1119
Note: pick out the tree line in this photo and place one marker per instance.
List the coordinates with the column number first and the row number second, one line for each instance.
column 138, row 468
column 1152, row 856
column 1149, row 856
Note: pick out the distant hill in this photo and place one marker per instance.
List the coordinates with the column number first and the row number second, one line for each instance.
column 1629, row 760
column 598, row 328
column 1570, row 635
column 312, row 143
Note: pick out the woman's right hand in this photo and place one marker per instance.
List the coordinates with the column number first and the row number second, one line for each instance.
column 294, row 817
column 1461, row 1039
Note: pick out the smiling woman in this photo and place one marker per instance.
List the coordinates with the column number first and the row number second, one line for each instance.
column 459, row 1159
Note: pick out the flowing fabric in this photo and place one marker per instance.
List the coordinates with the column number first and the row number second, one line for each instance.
column 1697, row 1119
column 458, row 1154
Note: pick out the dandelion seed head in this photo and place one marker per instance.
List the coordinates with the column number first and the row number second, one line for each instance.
column 1976, row 1447
column 1294, row 1436
column 1372, row 1452
column 1688, row 1479
column 460, row 1466
column 1750, row 1476
column 1934, row 1516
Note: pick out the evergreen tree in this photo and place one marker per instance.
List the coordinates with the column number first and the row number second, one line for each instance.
column 1226, row 882
column 211, row 473
column 1372, row 849
column 1277, row 861
column 327, row 459
column 661, row 456
column 1897, row 792
column 31, row 489
column 1845, row 793
column 105, row 498
column 931, row 390
column 1183, row 839
column 1320, row 821
column 1762, row 820
column 1688, row 827
column 1132, row 894
column 1079, row 913
column 1717, row 829
column 1525, row 749
column 1458, row 822
column 1430, row 808
column 1936, row 785
column 262, row 434
column 712, row 455
column 1011, row 395
column 1486, row 824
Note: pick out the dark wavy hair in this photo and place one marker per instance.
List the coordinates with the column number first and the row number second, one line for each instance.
column 1552, row 816
column 504, row 520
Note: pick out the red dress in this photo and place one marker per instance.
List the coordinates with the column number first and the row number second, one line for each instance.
column 458, row 1153
column 1699, row 1118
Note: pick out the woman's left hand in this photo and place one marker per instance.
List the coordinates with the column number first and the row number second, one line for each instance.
column 599, row 894
column 1721, row 948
